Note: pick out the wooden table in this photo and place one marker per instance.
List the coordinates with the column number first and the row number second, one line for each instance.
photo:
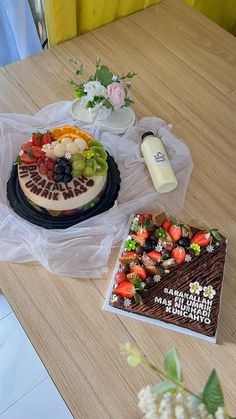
column 186, row 75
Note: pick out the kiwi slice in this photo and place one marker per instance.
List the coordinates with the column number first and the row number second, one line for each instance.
column 102, row 167
column 100, row 152
column 91, row 167
column 94, row 143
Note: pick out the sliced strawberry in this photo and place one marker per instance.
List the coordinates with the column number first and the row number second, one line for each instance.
column 125, row 289
column 166, row 225
column 140, row 271
column 47, row 138
column 175, row 232
column 120, row 277
column 178, row 253
column 155, row 256
column 37, row 152
column 25, row 147
column 202, row 238
column 142, row 218
column 37, row 138
column 27, row 159
column 143, row 233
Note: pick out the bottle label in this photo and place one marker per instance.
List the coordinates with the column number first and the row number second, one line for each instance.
column 159, row 158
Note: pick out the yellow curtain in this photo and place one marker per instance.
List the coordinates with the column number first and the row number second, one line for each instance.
column 66, row 19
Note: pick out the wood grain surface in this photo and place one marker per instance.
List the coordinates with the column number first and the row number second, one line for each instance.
column 186, row 69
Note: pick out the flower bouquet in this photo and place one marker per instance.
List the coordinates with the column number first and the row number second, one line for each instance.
column 103, row 92
column 171, row 398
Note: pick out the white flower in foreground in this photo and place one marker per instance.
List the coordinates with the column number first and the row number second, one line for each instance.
column 147, row 402
column 195, row 288
column 210, row 248
column 94, row 88
column 127, row 302
column 114, row 298
column 68, row 155
column 188, row 258
column 209, row 292
column 21, row 152
column 46, row 147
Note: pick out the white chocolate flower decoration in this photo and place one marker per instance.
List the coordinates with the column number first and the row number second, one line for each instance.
column 188, row 258
column 127, row 302
column 114, row 298
column 46, row 147
column 68, row 155
column 209, row 248
column 209, row 292
column 195, row 288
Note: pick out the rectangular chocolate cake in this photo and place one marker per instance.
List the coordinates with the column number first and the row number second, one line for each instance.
column 170, row 274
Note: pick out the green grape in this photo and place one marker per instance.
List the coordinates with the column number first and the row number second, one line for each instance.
column 76, row 173
column 77, row 156
column 78, row 165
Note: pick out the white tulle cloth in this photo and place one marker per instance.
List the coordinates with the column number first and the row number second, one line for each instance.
column 83, row 250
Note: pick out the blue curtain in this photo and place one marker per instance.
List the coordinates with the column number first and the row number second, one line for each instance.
column 18, row 35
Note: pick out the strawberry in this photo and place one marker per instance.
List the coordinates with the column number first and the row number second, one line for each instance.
column 140, row 271
column 178, row 253
column 175, row 232
column 142, row 233
column 142, row 218
column 37, row 152
column 37, row 138
column 25, row 147
column 202, row 238
column 120, row 277
column 155, row 256
column 47, row 138
column 125, row 289
column 166, row 225
column 27, row 159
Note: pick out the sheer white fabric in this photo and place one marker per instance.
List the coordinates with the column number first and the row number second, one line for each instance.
column 18, row 35
column 83, row 250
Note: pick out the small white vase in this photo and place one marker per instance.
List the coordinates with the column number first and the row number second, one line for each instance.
column 101, row 114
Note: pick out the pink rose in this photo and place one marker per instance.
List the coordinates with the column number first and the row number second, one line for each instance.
column 116, row 94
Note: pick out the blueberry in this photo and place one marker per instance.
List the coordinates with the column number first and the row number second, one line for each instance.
column 59, row 169
column 67, row 178
column 184, row 242
column 149, row 246
column 58, row 177
column 68, row 169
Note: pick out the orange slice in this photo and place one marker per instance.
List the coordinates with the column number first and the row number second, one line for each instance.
column 72, row 132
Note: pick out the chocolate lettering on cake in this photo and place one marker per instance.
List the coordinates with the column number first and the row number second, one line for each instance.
column 38, row 185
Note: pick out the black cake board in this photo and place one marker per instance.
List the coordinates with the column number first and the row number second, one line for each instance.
column 25, row 210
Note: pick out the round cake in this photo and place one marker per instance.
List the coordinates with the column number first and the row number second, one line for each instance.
column 63, row 171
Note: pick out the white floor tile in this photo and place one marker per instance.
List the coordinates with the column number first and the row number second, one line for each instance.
column 5, row 308
column 43, row 402
column 20, row 367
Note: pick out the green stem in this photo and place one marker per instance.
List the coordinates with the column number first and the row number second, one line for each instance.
column 163, row 374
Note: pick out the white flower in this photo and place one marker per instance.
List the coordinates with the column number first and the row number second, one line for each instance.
column 94, row 88
column 128, row 237
column 210, row 248
column 220, row 413
column 114, row 298
column 209, row 292
column 158, row 248
column 114, row 77
column 46, row 147
column 195, row 287
column 127, row 302
column 188, row 258
column 68, row 155
column 147, row 402
column 21, row 152
column 157, row 278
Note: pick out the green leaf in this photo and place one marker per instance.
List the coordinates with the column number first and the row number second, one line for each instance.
column 215, row 234
column 79, row 93
column 104, row 75
column 136, row 282
column 107, row 104
column 148, row 224
column 80, row 70
column 137, row 298
column 164, row 387
column 89, row 104
column 172, row 366
column 19, row 161
column 128, row 102
column 142, row 285
column 212, row 395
